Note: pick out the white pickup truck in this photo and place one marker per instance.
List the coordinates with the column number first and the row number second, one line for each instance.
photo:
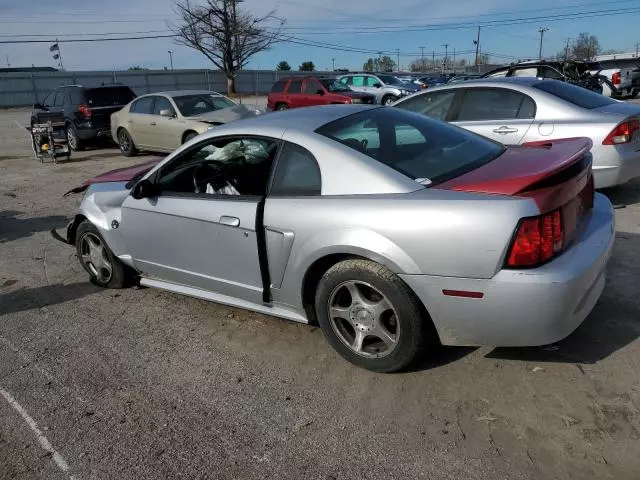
column 623, row 80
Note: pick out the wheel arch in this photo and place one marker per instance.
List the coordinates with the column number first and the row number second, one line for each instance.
column 187, row 132
column 72, row 229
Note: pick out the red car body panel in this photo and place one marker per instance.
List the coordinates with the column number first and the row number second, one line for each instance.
column 118, row 175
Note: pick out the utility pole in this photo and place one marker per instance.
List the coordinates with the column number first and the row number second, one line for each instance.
column 170, row 58
column 454, row 60
column 422, row 56
column 446, row 54
column 333, row 64
column 637, row 45
column 541, row 30
column 378, row 66
column 566, row 50
column 477, row 42
column 8, row 64
column 398, row 59
column 433, row 60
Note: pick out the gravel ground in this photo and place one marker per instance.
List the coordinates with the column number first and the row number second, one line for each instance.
column 145, row 384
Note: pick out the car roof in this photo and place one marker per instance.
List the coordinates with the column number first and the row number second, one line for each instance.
column 305, row 120
column 178, row 93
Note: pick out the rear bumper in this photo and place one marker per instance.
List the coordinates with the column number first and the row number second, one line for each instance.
column 615, row 165
column 525, row 307
column 89, row 131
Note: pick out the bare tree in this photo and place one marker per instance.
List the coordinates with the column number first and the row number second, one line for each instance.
column 585, row 47
column 225, row 34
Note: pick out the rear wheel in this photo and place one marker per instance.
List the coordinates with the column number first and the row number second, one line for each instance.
column 73, row 140
column 125, row 142
column 370, row 316
column 104, row 268
column 188, row 136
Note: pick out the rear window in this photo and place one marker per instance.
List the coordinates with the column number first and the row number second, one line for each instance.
column 426, row 150
column 108, row 96
column 573, row 94
column 278, row 86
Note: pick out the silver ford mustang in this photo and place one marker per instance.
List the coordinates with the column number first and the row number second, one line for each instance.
column 391, row 230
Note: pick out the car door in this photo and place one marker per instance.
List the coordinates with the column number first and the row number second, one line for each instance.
column 357, row 83
column 207, row 241
column 294, row 94
column 436, row 104
column 310, row 93
column 139, row 121
column 165, row 132
column 372, row 84
column 501, row 114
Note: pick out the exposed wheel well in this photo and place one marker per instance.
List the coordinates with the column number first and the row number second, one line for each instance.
column 188, row 132
column 318, row 269
column 74, row 228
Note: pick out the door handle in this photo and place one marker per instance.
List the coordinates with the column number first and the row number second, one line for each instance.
column 153, row 124
column 505, row 130
column 231, row 221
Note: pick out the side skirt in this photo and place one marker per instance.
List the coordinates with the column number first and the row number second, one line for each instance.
column 275, row 311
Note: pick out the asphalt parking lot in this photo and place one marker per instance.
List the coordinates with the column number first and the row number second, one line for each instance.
column 144, row 384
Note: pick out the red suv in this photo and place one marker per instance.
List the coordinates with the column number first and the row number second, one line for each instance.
column 308, row 91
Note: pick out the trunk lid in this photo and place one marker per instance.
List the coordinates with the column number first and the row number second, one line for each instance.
column 621, row 109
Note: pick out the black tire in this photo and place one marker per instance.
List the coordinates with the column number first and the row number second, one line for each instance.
column 388, row 99
column 188, row 136
column 73, row 140
column 282, row 106
column 413, row 332
column 125, row 143
column 120, row 275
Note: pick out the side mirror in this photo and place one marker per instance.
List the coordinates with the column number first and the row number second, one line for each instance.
column 145, row 189
column 377, row 85
column 319, row 92
column 166, row 113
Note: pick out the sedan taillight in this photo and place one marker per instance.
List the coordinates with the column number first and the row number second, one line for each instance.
column 622, row 133
column 538, row 240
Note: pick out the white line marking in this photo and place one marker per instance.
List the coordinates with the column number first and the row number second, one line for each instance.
column 44, row 443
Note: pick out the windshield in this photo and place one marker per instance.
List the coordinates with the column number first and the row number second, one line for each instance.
column 333, row 85
column 423, row 149
column 108, row 96
column 390, row 80
column 573, row 94
column 191, row 105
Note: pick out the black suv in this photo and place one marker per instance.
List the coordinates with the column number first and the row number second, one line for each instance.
column 86, row 110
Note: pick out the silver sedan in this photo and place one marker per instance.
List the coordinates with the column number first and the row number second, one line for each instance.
column 391, row 230
column 521, row 111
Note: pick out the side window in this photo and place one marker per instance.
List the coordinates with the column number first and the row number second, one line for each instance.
column 495, row 104
column 278, row 86
column 345, row 80
column 524, row 72
column 550, row 72
column 357, row 81
column 500, row 73
column 371, row 81
column 297, row 173
column 76, row 95
column 311, row 87
column 143, row 105
column 436, row 104
column 48, row 100
column 59, row 100
column 362, row 136
column 162, row 103
column 229, row 166
column 295, row 86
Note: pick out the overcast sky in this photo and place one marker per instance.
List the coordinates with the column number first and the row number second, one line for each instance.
column 346, row 24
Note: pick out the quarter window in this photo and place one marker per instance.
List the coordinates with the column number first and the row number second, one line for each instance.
column 371, row 81
column 297, row 173
column 500, row 73
column 295, row 86
column 495, row 104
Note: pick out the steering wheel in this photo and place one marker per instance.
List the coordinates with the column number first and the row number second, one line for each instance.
column 205, row 173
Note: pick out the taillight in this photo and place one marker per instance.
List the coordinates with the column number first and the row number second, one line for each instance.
column 85, row 111
column 537, row 240
column 616, row 78
column 622, row 133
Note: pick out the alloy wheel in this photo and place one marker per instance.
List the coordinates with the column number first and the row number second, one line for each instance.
column 71, row 138
column 364, row 319
column 125, row 143
column 94, row 257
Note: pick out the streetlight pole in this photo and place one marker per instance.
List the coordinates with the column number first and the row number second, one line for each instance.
column 170, row 58
column 446, row 54
column 398, row 59
column 541, row 30
column 333, row 64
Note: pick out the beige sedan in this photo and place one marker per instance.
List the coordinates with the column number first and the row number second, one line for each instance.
column 161, row 122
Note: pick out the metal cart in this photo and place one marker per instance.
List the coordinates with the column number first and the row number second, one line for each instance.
column 49, row 138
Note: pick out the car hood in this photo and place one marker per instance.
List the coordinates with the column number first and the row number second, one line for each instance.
column 224, row 115
column 118, row 175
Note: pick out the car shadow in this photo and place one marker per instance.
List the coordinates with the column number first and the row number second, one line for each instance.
column 613, row 324
column 39, row 297
column 623, row 195
column 12, row 228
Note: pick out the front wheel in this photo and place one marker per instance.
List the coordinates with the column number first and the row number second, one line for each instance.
column 388, row 100
column 103, row 267
column 189, row 136
column 370, row 316
column 282, row 106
